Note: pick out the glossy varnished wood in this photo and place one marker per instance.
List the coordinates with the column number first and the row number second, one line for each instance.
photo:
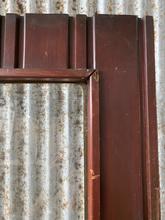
column 116, row 58
column 93, row 160
column 149, row 122
column 91, row 77
column 65, row 75
column 45, row 41
column 122, row 49
column 78, row 42
column 9, row 41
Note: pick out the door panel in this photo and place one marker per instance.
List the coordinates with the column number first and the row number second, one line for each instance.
column 121, row 48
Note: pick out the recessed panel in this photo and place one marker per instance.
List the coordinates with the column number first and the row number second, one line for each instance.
column 42, row 151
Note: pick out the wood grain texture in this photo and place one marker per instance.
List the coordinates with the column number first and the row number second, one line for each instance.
column 121, row 48
column 93, row 160
column 116, row 58
column 78, row 59
column 78, row 42
column 149, row 122
column 51, row 75
column 9, row 41
column 45, row 41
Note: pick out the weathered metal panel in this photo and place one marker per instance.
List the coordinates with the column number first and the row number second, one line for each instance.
column 136, row 7
column 42, row 148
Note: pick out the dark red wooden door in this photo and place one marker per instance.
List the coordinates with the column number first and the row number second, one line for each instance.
column 121, row 48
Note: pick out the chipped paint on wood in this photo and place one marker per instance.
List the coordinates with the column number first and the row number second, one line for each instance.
column 42, row 147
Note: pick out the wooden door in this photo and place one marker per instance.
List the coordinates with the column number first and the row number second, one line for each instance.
column 121, row 48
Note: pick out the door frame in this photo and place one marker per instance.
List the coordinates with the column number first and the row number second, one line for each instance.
column 91, row 78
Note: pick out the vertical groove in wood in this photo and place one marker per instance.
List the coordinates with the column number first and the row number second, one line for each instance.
column 90, row 43
column 1, row 38
column 9, row 41
column 45, row 41
column 149, row 122
column 147, row 210
column 78, row 42
column 108, row 43
column 20, row 42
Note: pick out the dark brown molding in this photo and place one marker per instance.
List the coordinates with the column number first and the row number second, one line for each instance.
column 121, row 48
column 93, row 148
column 50, row 75
column 78, row 41
column 116, row 57
column 149, row 122
column 91, row 77
column 9, row 39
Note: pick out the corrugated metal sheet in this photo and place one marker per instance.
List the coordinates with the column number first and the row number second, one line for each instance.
column 133, row 7
column 42, row 146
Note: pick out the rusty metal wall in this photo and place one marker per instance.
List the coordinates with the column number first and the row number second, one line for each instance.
column 132, row 7
column 42, row 146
